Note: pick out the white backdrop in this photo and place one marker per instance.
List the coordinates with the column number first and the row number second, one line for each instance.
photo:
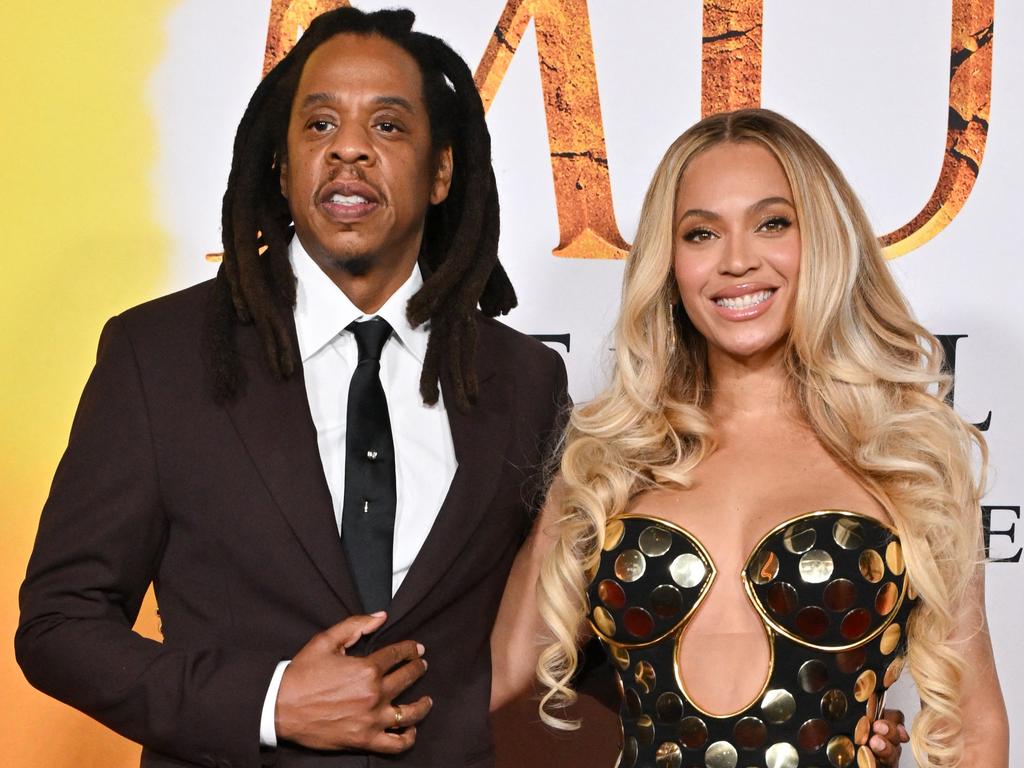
column 869, row 79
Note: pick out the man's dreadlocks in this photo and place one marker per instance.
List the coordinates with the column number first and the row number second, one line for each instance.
column 459, row 255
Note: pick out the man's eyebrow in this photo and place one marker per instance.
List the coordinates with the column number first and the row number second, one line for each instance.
column 322, row 97
column 395, row 101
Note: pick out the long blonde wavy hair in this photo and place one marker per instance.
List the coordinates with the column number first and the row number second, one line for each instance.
column 867, row 377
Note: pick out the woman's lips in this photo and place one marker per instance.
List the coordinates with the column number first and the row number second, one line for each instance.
column 741, row 303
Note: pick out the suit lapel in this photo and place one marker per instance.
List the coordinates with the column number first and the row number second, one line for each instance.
column 479, row 436
column 273, row 420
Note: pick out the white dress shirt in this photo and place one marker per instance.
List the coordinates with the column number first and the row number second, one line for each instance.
column 424, row 452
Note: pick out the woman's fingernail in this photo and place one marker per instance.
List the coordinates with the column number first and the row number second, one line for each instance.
column 882, row 727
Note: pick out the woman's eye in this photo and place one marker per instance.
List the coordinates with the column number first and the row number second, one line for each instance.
column 776, row 224
column 320, row 125
column 699, row 235
column 386, row 126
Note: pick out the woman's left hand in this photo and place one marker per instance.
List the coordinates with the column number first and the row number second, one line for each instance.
column 888, row 737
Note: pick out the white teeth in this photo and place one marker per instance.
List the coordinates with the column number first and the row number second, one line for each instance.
column 745, row 302
column 348, row 199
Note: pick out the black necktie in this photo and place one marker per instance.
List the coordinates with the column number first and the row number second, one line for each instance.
column 368, row 512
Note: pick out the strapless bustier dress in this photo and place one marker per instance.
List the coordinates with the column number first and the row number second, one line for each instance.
column 832, row 591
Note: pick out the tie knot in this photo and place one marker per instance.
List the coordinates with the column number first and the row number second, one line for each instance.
column 370, row 337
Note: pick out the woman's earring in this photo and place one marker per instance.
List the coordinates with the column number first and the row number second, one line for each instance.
column 673, row 307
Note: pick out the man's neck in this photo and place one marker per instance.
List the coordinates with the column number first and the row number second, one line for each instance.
column 370, row 291
column 367, row 282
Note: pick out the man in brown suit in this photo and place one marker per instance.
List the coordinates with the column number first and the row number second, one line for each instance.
column 210, row 455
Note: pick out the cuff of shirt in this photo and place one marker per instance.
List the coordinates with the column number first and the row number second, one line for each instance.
column 268, row 731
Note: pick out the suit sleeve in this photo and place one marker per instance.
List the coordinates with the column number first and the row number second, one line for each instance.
column 556, row 419
column 101, row 537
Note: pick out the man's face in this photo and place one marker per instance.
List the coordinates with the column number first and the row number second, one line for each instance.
column 360, row 171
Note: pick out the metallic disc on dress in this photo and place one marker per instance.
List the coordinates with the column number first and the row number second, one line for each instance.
column 668, row 755
column 813, row 735
column 669, row 707
column 872, row 707
column 620, row 656
column 782, row 598
column 848, row 534
column 633, row 704
column 611, row 594
column 778, row 705
column 894, row 670
column 645, row 678
column 840, row 595
column 886, row 598
column 655, row 541
column 799, row 538
column 604, row 622
column 721, row 754
column 862, row 731
column 687, row 570
column 866, row 758
column 630, row 565
column 894, row 557
column 866, row 683
column 764, row 567
column 781, row 755
column 629, row 753
column 811, row 622
column 613, row 533
column 871, row 566
column 840, row 751
column 834, row 705
column 645, row 730
column 816, row 566
column 692, row 732
column 666, row 601
column 813, row 675
column 750, row 733
column 638, row 622
column 890, row 639
column 852, row 660
column 855, row 624
column 911, row 592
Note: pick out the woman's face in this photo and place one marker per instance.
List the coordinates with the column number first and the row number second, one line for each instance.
column 737, row 250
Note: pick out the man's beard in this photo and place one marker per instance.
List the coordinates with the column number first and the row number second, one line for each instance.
column 357, row 266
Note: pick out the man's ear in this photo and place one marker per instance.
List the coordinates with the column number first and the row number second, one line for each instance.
column 282, row 174
column 442, row 176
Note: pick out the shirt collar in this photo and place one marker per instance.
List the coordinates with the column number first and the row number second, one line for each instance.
column 322, row 310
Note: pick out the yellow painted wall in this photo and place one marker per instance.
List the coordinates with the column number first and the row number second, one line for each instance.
column 80, row 243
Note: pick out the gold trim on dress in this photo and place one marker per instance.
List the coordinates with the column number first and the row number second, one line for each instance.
column 766, row 617
column 686, row 694
column 709, row 579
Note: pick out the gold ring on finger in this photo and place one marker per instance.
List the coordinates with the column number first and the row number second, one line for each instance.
column 398, row 716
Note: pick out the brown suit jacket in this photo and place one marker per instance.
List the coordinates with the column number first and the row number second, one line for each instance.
column 226, row 510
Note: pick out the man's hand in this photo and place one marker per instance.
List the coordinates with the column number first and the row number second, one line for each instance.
column 887, row 737
column 329, row 700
